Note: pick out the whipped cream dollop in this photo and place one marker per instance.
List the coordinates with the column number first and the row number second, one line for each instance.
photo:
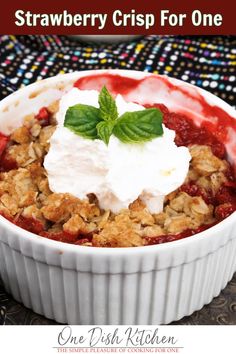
column 116, row 173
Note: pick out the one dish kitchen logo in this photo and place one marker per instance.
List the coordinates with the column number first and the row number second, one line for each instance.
column 120, row 339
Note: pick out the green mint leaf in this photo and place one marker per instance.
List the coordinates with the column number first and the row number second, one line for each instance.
column 139, row 126
column 104, row 130
column 107, row 105
column 82, row 120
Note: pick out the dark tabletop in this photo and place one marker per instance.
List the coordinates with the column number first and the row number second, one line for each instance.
column 208, row 62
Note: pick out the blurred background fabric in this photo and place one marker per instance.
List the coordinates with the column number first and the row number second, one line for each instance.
column 207, row 61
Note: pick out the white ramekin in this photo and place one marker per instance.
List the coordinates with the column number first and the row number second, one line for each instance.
column 82, row 285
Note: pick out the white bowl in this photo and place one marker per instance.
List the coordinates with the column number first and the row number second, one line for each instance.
column 145, row 285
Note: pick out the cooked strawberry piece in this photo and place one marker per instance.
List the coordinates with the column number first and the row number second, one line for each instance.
column 29, row 224
column 7, row 163
column 62, row 236
column 3, row 142
column 43, row 116
column 226, row 195
column 195, row 191
column 224, row 210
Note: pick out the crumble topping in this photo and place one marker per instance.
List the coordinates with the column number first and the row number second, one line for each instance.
column 25, row 197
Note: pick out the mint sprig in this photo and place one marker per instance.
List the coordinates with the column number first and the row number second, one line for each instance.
column 100, row 123
column 104, row 130
column 139, row 126
column 83, row 119
column 107, row 105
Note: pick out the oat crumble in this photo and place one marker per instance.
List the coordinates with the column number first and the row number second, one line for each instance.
column 26, row 199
